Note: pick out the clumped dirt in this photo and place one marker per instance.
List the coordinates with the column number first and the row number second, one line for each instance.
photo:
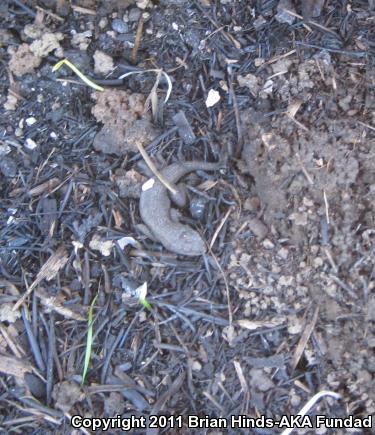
column 126, row 122
column 282, row 305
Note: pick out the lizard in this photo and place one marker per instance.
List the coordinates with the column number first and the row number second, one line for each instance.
column 155, row 210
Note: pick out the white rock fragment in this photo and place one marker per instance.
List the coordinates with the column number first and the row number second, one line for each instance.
column 30, row 144
column 148, row 184
column 30, row 121
column 196, row 366
column 267, row 244
column 213, row 98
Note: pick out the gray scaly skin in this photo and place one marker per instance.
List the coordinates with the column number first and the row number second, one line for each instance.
column 155, row 209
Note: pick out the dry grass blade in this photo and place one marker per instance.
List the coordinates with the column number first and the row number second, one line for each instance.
column 252, row 325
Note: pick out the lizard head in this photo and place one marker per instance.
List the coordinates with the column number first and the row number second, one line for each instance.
column 190, row 243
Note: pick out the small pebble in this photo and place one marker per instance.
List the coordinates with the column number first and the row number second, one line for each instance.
column 119, row 26
column 36, row 386
column 197, row 207
column 258, row 228
column 103, row 23
column 283, row 253
column 282, row 16
column 8, row 167
column 268, row 244
column 134, row 14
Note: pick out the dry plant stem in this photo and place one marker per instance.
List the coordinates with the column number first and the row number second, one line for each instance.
column 153, row 168
column 218, row 229
column 214, row 402
column 82, row 10
column 293, row 14
column 304, row 170
column 226, row 35
column 51, row 14
column 367, row 125
column 236, row 113
column 230, row 314
column 277, row 58
column 305, row 337
column 137, row 42
column 326, row 206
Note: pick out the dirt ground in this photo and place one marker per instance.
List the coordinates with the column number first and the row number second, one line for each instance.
column 282, row 304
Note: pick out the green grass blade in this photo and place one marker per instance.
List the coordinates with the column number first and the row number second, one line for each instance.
column 89, row 340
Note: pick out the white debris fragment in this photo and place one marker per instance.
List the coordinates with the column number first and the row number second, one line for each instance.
column 11, row 102
column 148, row 184
column 103, row 62
column 268, row 87
column 4, row 149
column 102, row 245
column 125, row 241
column 10, row 220
column 30, row 121
column 141, row 291
column 30, row 144
column 81, row 40
column 213, row 97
